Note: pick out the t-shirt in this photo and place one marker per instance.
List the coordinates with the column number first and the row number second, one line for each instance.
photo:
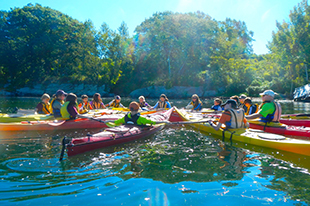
column 267, row 108
column 141, row 121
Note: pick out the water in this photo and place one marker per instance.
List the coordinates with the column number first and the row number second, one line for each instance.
column 176, row 166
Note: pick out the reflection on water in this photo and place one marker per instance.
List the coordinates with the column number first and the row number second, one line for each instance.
column 176, row 166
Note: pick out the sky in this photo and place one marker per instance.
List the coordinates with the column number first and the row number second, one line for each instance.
column 260, row 16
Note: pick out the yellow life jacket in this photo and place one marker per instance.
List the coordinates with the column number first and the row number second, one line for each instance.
column 251, row 109
column 45, row 108
column 114, row 104
column 53, row 110
column 97, row 105
column 64, row 111
column 236, row 120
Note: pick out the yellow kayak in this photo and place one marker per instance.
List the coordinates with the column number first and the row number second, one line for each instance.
column 7, row 118
column 254, row 137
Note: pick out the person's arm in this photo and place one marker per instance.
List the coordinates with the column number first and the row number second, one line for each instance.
column 120, row 121
column 156, row 105
column 225, row 117
column 39, row 108
column 103, row 106
column 215, row 126
column 144, row 121
column 253, row 116
column 168, row 105
column 198, row 107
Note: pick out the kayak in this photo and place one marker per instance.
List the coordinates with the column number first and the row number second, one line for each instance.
column 254, row 137
column 115, row 135
column 6, row 118
column 282, row 129
column 296, row 122
column 80, row 123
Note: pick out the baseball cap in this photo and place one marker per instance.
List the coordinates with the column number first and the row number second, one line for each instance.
column 61, row 92
column 117, row 97
column 242, row 96
column 268, row 92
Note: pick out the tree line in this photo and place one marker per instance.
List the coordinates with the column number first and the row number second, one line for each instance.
column 42, row 45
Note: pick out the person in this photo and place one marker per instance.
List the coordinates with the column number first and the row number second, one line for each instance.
column 115, row 103
column 269, row 110
column 97, row 103
column 84, row 106
column 241, row 99
column 233, row 117
column 217, row 105
column 143, row 103
column 195, row 104
column 162, row 103
column 69, row 108
column 44, row 106
column 57, row 102
column 134, row 118
column 251, row 108
column 236, row 98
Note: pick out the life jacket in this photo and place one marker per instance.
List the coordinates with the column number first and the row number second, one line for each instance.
column 45, row 108
column 245, row 108
column 236, row 120
column 114, row 104
column 275, row 116
column 83, row 108
column 162, row 104
column 251, row 109
column 217, row 108
column 143, row 104
column 64, row 111
column 97, row 105
column 55, row 111
column 132, row 120
column 196, row 107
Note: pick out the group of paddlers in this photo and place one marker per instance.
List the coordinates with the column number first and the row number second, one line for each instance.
column 235, row 111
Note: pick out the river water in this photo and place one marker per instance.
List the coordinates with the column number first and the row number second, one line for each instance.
column 177, row 166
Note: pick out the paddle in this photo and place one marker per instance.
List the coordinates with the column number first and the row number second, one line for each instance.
column 65, row 141
column 98, row 120
column 189, row 122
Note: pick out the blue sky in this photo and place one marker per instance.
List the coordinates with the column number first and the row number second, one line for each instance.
column 260, row 16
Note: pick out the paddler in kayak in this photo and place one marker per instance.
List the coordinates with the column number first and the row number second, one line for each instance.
column 97, row 103
column 251, row 108
column 233, row 117
column 242, row 105
column 143, row 104
column 134, row 118
column 84, row 106
column 217, row 105
column 57, row 102
column 269, row 110
column 115, row 103
column 69, row 108
column 44, row 106
column 163, row 103
column 195, row 104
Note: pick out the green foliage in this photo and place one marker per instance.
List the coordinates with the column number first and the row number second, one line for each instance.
column 42, row 45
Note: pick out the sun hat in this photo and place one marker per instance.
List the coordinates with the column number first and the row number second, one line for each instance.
column 232, row 102
column 268, row 92
column 61, row 92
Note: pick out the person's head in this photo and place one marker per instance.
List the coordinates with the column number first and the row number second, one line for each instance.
column 45, row 98
column 141, row 99
column 230, row 104
column 195, row 98
column 72, row 98
column 163, row 98
column 268, row 95
column 247, row 101
column 97, row 97
column 84, row 98
column 236, row 98
column 134, row 107
column 218, row 101
column 242, row 98
column 117, row 98
column 60, row 94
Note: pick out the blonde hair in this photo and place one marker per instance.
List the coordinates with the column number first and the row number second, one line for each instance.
column 141, row 97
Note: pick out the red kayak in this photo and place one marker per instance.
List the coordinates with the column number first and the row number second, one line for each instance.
column 282, row 129
column 115, row 135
